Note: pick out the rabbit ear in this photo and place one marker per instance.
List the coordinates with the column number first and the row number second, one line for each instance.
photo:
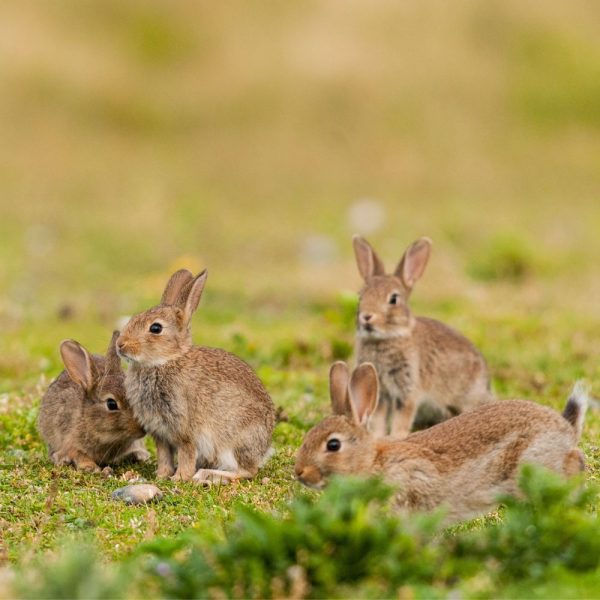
column 369, row 264
column 173, row 288
column 78, row 363
column 190, row 295
column 338, row 388
column 412, row 265
column 364, row 390
column 113, row 362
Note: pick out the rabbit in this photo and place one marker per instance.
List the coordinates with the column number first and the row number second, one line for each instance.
column 427, row 371
column 204, row 404
column 85, row 418
column 463, row 464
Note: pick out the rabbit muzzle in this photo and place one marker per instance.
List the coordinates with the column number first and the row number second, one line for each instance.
column 125, row 350
column 365, row 321
column 310, row 476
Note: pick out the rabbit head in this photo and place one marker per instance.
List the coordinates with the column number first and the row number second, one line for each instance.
column 162, row 333
column 105, row 407
column 341, row 444
column 383, row 306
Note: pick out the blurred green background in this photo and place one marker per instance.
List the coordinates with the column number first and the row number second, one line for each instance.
column 255, row 137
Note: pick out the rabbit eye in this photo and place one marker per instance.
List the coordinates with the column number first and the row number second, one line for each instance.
column 333, row 445
column 156, row 328
column 111, row 404
column 394, row 298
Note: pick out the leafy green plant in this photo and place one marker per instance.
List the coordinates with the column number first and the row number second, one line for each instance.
column 342, row 538
column 505, row 257
column 77, row 573
column 547, row 529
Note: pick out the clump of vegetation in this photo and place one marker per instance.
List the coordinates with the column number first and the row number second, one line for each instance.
column 77, row 573
column 505, row 257
column 551, row 529
column 346, row 540
column 343, row 538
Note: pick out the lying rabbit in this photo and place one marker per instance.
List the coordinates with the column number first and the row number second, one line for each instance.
column 85, row 418
column 423, row 365
column 463, row 464
column 204, row 404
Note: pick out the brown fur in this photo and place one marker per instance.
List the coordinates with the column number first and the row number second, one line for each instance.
column 203, row 404
column 75, row 420
column 427, row 371
column 463, row 464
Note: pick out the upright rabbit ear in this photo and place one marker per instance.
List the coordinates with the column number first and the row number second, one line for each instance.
column 78, row 363
column 369, row 264
column 364, row 391
column 412, row 265
column 113, row 362
column 176, row 283
column 338, row 388
column 190, row 295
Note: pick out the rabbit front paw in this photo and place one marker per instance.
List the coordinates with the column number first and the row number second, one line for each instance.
column 164, row 471
column 139, row 455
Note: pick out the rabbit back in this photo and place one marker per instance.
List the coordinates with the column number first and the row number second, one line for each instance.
column 465, row 463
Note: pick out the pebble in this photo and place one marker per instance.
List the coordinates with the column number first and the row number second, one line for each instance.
column 137, row 494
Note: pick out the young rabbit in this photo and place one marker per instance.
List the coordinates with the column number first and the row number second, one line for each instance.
column 426, row 369
column 85, row 418
column 463, row 464
column 205, row 404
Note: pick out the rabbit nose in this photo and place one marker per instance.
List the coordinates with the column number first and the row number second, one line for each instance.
column 120, row 344
column 299, row 471
column 365, row 317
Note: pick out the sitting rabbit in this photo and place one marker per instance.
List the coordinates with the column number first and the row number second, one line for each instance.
column 424, row 366
column 203, row 404
column 85, row 418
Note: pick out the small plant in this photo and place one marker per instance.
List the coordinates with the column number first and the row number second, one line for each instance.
column 345, row 537
column 77, row 573
column 505, row 257
column 549, row 528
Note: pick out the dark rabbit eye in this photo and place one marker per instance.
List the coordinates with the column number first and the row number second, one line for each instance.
column 111, row 404
column 156, row 328
column 394, row 298
column 333, row 445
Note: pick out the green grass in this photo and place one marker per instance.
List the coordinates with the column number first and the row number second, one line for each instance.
column 43, row 506
column 346, row 542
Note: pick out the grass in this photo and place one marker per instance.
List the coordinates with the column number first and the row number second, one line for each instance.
column 140, row 138
column 345, row 541
column 43, row 505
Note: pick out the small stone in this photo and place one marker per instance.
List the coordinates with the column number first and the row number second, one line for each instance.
column 265, row 480
column 137, row 494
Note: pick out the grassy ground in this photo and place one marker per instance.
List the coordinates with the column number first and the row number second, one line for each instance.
column 138, row 138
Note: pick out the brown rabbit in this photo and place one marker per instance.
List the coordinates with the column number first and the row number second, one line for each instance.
column 203, row 403
column 426, row 369
column 462, row 464
column 85, row 418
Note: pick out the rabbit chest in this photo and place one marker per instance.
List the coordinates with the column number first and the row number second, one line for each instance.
column 397, row 367
column 157, row 402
